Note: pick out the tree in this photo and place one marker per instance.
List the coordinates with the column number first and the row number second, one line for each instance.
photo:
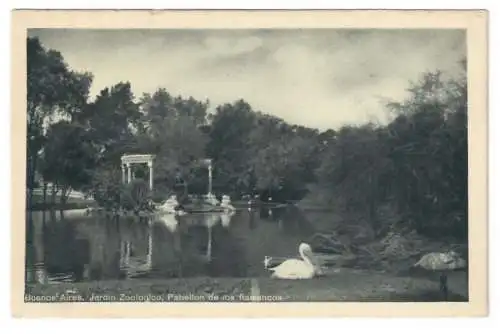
column 68, row 158
column 161, row 105
column 107, row 187
column 173, row 132
column 179, row 145
column 113, row 118
column 230, row 129
column 429, row 146
column 52, row 88
column 417, row 162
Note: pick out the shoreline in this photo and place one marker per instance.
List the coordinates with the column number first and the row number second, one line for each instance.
column 346, row 285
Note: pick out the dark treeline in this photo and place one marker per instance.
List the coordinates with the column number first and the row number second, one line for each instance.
column 415, row 166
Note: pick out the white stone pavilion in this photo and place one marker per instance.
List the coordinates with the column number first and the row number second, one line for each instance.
column 128, row 160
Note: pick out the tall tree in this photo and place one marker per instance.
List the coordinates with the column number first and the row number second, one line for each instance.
column 417, row 162
column 230, row 128
column 113, row 119
column 52, row 90
column 173, row 132
column 161, row 104
column 68, row 158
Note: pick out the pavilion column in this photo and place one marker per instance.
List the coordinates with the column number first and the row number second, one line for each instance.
column 123, row 174
column 150, row 165
column 129, row 173
column 210, row 177
column 149, row 255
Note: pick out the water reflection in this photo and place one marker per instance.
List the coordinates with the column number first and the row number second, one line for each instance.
column 211, row 244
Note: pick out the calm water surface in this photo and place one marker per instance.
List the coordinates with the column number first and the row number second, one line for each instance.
column 89, row 248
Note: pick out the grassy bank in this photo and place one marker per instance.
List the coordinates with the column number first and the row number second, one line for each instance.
column 198, row 289
column 72, row 203
column 338, row 285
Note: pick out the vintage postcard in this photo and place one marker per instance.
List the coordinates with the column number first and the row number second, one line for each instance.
column 249, row 163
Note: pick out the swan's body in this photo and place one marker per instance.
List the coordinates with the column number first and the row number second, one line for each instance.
column 441, row 261
column 295, row 268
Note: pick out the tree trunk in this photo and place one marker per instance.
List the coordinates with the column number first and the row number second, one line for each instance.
column 53, row 195
column 30, row 178
column 45, row 185
column 64, row 199
column 52, row 206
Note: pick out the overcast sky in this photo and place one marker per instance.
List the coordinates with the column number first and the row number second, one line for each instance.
column 322, row 78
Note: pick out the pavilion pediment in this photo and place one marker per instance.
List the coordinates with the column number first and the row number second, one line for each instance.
column 137, row 158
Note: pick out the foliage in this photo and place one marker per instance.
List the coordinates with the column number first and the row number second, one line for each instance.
column 112, row 119
column 52, row 89
column 172, row 132
column 136, row 196
column 230, row 130
column 162, row 105
column 68, row 156
column 106, row 187
column 418, row 161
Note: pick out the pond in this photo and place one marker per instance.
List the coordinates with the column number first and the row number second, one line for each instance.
column 95, row 248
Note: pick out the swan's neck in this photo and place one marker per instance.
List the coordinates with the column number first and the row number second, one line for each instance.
column 306, row 258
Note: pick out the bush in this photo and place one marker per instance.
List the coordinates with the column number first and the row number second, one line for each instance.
column 136, row 196
column 107, row 188
column 111, row 194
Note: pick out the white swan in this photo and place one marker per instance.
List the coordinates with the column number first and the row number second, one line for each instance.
column 294, row 268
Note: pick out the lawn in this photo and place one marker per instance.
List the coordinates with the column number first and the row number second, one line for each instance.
column 337, row 285
column 72, row 203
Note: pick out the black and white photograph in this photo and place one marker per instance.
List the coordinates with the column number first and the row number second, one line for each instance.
column 262, row 165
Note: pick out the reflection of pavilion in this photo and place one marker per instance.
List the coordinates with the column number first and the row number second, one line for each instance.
column 172, row 244
column 134, row 264
column 210, row 220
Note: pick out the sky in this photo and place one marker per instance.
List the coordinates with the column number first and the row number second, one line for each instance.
column 321, row 78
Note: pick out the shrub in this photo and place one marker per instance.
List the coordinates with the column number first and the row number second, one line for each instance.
column 136, row 196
